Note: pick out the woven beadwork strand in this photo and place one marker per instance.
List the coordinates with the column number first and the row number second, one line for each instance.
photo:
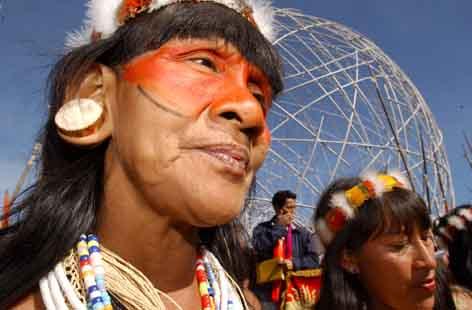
column 103, row 271
column 207, row 301
column 130, row 286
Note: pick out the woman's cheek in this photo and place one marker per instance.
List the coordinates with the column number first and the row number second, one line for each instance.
column 175, row 87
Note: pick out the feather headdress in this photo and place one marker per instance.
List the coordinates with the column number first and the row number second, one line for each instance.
column 447, row 226
column 343, row 204
column 104, row 17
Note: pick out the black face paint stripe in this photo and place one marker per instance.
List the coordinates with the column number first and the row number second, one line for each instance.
column 157, row 104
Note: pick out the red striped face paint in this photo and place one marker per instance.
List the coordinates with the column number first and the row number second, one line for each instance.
column 194, row 78
column 170, row 82
column 186, row 76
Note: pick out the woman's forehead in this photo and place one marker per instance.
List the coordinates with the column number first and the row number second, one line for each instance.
column 215, row 43
column 400, row 229
column 187, row 45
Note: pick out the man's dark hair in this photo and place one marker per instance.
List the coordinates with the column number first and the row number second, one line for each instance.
column 279, row 198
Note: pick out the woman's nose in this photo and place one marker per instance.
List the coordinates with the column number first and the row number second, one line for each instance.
column 239, row 108
column 424, row 256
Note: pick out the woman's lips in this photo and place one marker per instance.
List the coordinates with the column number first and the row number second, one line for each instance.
column 235, row 159
column 429, row 285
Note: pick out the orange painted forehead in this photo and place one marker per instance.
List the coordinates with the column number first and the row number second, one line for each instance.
column 218, row 46
column 146, row 67
column 184, row 46
column 172, row 78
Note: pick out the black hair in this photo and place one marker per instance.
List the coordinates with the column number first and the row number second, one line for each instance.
column 398, row 210
column 443, row 297
column 63, row 203
column 459, row 248
column 279, row 198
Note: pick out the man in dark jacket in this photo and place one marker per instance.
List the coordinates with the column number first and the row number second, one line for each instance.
column 266, row 235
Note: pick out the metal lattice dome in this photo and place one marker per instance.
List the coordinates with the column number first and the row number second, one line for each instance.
column 346, row 107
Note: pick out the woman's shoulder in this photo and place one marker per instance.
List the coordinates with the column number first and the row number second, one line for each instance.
column 31, row 301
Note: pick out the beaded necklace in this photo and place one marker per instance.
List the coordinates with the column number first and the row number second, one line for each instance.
column 93, row 273
column 207, row 293
column 217, row 290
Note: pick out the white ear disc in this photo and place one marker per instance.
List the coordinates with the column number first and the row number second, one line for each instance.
column 79, row 117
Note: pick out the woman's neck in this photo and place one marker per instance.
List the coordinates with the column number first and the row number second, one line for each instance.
column 165, row 251
column 164, row 254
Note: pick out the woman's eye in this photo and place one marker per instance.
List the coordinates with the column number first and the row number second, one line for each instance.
column 427, row 237
column 259, row 97
column 210, row 64
column 399, row 246
column 258, row 94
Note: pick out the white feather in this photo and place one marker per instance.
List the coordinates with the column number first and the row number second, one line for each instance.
column 401, row 177
column 101, row 17
column 456, row 221
column 263, row 13
column 157, row 4
column 444, row 234
column 338, row 200
column 371, row 176
column 467, row 213
column 326, row 235
column 78, row 38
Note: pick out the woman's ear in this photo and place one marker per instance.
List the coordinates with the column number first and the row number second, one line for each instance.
column 84, row 118
column 349, row 262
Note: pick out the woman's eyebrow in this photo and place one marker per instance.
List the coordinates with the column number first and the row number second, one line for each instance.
column 390, row 232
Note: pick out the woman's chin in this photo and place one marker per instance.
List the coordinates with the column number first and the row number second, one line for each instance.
column 424, row 304
column 217, row 214
column 427, row 303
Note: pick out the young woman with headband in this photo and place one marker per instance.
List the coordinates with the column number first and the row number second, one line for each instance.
column 379, row 247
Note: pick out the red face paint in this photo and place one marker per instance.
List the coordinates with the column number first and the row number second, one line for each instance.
column 188, row 78
column 266, row 136
column 172, row 82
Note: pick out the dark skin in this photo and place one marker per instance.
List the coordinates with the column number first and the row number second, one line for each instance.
column 210, row 120
column 32, row 301
column 409, row 260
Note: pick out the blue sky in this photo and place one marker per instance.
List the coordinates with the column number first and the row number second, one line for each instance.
column 430, row 40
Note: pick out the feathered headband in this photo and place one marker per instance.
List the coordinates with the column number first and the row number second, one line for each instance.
column 343, row 204
column 447, row 226
column 104, row 17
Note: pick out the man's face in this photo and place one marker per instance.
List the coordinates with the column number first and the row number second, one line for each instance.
column 289, row 207
column 190, row 128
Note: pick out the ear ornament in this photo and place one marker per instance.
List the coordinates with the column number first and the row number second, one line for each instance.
column 80, row 117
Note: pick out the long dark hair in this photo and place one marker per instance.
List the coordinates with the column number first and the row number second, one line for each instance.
column 459, row 247
column 399, row 208
column 64, row 201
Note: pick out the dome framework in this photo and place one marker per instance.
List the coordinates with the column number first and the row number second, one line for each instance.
column 346, row 107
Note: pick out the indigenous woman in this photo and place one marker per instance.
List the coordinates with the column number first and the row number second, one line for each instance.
column 455, row 235
column 379, row 247
column 157, row 125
